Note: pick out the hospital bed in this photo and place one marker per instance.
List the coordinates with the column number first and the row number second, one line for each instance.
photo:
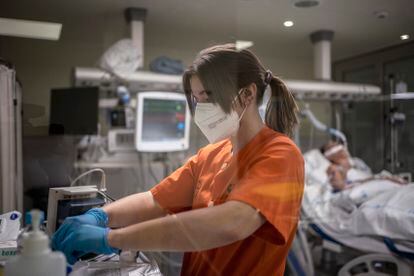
column 367, row 230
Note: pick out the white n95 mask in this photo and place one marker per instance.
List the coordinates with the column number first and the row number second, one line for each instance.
column 214, row 123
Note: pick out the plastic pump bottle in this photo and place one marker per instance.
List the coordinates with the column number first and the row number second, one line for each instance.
column 36, row 258
column 28, row 228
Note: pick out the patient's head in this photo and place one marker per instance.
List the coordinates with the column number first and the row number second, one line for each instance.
column 337, row 177
column 337, row 154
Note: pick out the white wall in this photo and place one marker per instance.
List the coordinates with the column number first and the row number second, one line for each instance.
column 42, row 65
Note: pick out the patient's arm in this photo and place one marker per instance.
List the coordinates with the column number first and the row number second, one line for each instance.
column 133, row 209
column 395, row 179
column 392, row 178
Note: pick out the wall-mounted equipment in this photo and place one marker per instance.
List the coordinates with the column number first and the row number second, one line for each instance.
column 121, row 140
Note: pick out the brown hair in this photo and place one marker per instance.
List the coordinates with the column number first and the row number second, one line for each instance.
column 223, row 70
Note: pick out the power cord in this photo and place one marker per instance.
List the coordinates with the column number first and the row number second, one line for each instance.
column 102, row 187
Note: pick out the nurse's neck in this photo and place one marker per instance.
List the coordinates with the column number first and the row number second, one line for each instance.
column 250, row 125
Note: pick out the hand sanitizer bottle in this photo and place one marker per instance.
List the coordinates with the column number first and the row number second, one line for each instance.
column 36, row 258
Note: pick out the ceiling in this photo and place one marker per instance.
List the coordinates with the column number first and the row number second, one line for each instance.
column 356, row 28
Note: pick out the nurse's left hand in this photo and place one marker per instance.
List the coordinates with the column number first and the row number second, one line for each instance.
column 86, row 239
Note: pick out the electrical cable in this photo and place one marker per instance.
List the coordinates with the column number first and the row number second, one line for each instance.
column 151, row 171
column 102, row 187
column 306, row 112
column 106, row 196
column 141, row 170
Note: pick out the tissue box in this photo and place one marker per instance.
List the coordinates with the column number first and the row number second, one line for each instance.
column 8, row 249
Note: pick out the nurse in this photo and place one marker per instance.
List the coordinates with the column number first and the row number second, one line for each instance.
column 233, row 208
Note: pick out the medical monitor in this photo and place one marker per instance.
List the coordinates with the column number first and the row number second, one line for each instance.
column 163, row 122
column 74, row 111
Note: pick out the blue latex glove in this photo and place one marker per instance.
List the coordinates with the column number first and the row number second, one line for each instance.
column 86, row 239
column 95, row 216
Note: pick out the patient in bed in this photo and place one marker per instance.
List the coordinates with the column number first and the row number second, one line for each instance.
column 345, row 172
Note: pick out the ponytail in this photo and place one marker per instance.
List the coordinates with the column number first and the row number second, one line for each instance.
column 281, row 109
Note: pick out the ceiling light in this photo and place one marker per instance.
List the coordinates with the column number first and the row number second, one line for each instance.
column 30, row 29
column 405, row 37
column 288, row 23
column 306, row 3
column 243, row 44
column 381, row 14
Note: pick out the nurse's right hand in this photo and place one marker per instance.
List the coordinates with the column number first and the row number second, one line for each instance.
column 95, row 217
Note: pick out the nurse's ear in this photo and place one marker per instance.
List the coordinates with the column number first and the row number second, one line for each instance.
column 249, row 94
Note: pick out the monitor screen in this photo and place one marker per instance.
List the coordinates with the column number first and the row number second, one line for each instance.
column 162, row 122
column 74, row 111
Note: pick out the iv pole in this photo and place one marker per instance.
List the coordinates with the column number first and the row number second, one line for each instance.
column 396, row 118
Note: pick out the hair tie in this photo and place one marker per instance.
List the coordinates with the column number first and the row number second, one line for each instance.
column 268, row 77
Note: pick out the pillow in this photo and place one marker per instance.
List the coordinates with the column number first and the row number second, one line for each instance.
column 315, row 167
column 357, row 175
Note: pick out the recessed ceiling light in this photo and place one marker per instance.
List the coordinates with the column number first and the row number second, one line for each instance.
column 405, row 37
column 288, row 23
column 381, row 14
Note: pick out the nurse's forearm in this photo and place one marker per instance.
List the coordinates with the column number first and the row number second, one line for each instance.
column 133, row 209
column 195, row 230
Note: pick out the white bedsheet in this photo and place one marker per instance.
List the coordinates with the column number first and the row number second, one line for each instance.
column 378, row 208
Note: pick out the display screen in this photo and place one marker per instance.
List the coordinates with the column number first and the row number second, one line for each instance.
column 74, row 111
column 163, row 120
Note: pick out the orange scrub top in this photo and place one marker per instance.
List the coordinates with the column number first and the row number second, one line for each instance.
column 268, row 174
